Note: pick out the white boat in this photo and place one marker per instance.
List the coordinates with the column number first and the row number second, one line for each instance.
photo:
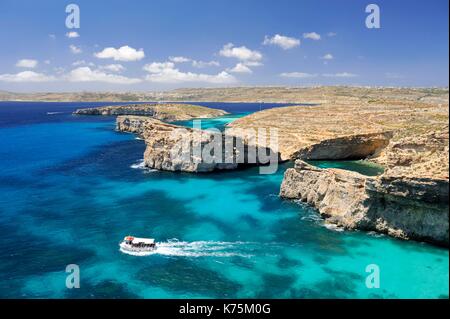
column 135, row 244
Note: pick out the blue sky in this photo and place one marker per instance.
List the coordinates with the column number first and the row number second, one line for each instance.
column 165, row 44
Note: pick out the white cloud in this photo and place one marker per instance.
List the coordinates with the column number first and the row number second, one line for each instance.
column 312, row 36
column 82, row 62
column 27, row 63
column 26, row 76
column 158, row 67
column 86, row 74
column 282, row 41
column 298, row 75
column 47, row 62
column 196, row 64
column 124, row 53
column 252, row 63
column 331, row 34
column 327, row 56
column 52, row 36
column 74, row 49
column 165, row 72
column 240, row 68
column 241, row 53
column 179, row 59
column 340, row 75
column 72, row 34
column 204, row 64
column 113, row 67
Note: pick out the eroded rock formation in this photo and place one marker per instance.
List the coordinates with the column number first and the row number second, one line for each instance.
column 347, row 147
column 175, row 148
column 404, row 207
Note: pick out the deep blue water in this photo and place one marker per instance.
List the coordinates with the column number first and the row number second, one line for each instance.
column 71, row 189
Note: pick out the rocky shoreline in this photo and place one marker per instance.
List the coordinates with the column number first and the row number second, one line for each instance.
column 406, row 208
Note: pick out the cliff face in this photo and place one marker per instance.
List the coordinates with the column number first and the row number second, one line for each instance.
column 424, row 155
column 175, row 148
column 169, row 148
column 348, row 147
column 165, row 112
column 131, row 124
column 408, row 208
column 346, row 128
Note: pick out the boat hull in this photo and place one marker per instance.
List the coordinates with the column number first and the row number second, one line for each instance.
column 130, row 248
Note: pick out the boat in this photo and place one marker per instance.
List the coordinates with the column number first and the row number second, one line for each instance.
column 135, row 244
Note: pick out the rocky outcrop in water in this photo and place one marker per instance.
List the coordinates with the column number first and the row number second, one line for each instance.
column 403, row 207
column 164, row 111
column 175, row 148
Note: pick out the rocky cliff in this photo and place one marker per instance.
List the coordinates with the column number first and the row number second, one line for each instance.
column 347, row 147
column 346, row 128
column 131, row 124
column 408, row 208
column 175, row 148
column 422, row 155
column 163, row 111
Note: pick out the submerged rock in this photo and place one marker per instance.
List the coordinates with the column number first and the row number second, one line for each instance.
column 403, row 207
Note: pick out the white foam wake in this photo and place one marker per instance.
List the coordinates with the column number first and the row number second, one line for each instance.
column 138, row 165
column 54, row 113
column 141, row 165
column 333, row 227
column 195, row 249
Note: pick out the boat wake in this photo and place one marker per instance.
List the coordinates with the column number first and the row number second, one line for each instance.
column 196, row 249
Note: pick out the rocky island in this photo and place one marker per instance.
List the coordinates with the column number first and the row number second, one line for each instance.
column 162, row 111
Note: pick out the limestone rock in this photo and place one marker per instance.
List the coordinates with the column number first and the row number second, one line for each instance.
column 409, row 208
column 347, row 147
column 131, row 124
column 167, row 145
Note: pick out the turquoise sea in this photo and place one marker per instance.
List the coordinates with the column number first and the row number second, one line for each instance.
column 71, row 188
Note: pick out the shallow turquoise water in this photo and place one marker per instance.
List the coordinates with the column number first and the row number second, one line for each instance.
column 362, row 167
column 72, row 189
